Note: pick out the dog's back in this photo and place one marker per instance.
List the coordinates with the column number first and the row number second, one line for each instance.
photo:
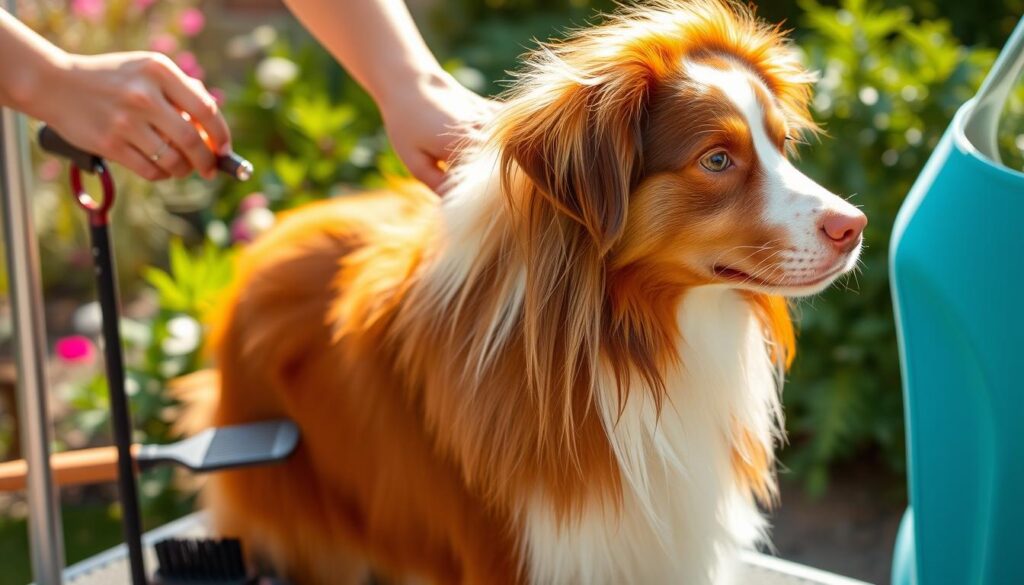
column 336, row 507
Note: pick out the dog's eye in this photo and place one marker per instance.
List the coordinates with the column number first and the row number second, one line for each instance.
column 716, row 162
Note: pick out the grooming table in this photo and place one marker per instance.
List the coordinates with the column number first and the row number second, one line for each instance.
column 111, row 567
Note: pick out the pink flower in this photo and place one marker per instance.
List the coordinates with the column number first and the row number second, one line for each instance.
column 251, row 224
column 75, row 349
column 191, row 22
column 91, row 10
column 253, row 201
column 240, row 232
column 163, row 43
column 189, row 64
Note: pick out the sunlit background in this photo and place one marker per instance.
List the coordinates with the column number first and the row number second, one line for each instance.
column 891, row 76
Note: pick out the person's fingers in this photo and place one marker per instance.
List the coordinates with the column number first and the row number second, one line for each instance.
column 185, row 138
column 190, row 96
column 130, row 158
column 424, row 168
column 160, row 152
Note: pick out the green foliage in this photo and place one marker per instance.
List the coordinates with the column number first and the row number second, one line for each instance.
column 158, row 350
column 194, row 281
column 306, row 127
column 87, row 529
column 164, row 347
column 889, row 86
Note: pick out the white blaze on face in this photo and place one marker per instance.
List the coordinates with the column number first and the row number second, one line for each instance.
column 794, row 202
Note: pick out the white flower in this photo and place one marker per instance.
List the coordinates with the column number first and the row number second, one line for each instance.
column 361, row 156
column 868, row 95
column 257, row 221
column 183, row 335
column 87, row 319
column 275, row 73
column 218, row 233
column 264, row 36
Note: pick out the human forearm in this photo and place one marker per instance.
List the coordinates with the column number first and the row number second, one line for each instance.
column 426, row 112
column 127, row 107
column 28, row 62
column 375, row 40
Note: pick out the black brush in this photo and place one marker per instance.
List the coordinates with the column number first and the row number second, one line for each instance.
column 204, row 561
column 258, row 443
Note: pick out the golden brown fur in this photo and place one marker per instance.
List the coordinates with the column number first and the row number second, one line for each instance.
column 431, row 406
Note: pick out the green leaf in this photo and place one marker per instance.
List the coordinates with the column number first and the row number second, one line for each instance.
column 291, row 171
column 171, row 297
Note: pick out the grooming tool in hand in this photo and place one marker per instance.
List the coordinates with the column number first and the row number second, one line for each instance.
column 235, row 165
column 231, row 164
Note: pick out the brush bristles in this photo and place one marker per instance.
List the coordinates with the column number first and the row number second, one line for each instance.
column 200, row 561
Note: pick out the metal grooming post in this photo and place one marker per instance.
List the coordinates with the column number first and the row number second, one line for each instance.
column 46, row 541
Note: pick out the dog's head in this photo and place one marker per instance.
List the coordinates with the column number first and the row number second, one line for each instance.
column 663, row 137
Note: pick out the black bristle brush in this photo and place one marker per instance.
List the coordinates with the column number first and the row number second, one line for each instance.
column 204, row 561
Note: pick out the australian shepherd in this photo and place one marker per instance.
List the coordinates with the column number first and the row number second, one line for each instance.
column 567, row 370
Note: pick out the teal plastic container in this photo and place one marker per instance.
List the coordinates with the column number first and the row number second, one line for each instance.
column 957, row 268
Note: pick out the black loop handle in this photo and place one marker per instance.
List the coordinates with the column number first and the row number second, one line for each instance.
column 55, row 144
column 99, row 211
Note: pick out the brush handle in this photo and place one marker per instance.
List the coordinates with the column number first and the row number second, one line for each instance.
column 54, row 143
column 84, row 466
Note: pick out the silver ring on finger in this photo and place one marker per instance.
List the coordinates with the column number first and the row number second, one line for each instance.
column 159, row 152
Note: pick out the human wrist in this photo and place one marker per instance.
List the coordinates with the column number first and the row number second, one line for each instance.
column 34, row 91
column 405, row 82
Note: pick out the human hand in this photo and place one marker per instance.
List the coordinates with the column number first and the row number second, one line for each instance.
column 429, row 121
column 127, row 107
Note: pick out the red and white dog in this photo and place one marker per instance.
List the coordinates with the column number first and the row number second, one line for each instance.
column 567, row 370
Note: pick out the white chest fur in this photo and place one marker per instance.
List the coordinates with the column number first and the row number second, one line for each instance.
column 683, row 515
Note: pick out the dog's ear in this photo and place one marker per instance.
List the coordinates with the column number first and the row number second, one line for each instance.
column 576, row 134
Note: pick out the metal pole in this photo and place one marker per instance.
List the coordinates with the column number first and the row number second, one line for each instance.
column 46, row 541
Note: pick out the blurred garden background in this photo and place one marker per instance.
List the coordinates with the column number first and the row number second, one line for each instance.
column 891, row 76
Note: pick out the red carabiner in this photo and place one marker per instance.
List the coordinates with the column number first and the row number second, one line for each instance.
column 99, row 211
